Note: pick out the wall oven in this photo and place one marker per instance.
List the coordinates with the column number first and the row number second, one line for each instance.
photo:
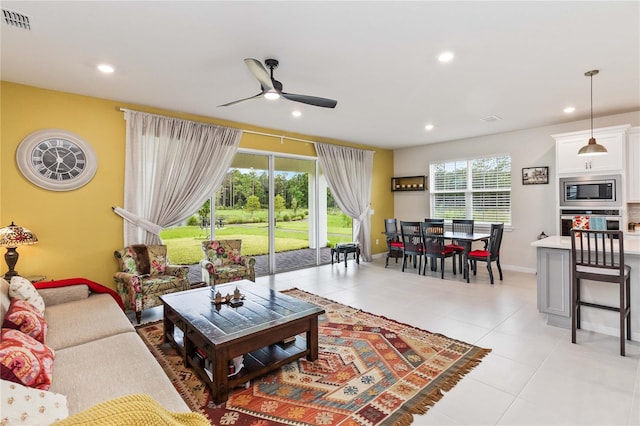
column 597, row 192
column 609, row 220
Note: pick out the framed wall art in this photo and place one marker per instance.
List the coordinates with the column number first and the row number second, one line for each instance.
column 535, row 175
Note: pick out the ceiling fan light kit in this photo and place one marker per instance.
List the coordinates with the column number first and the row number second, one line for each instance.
column 272, row 88
column 592, row 147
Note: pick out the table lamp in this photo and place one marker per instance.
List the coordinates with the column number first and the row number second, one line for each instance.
column 11, row 237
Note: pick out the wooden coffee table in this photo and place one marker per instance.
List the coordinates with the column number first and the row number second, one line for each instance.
column 256, row 330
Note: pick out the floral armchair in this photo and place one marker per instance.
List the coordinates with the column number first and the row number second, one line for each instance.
column 145, row 276
column 223, row 262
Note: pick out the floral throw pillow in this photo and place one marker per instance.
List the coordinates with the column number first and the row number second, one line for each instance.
column 126, row 260
column 25, row 317
column 22, row 405
column 24, row 360
column 157, row 259
column 23, row 289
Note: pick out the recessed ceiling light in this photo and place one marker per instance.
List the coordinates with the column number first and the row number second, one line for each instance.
column 107, row 69
column 569, row 110
column 429, row 127
column 446, row 57
column 296, row 113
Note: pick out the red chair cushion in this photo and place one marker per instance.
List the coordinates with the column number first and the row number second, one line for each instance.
column 455, row 247
column 396, row 244
column 479, row 253
column 445, row 251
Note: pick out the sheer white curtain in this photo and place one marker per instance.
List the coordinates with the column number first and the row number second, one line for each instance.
column 348, row 172
column 172, row 166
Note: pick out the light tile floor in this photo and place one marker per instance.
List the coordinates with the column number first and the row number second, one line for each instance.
column 534, row 374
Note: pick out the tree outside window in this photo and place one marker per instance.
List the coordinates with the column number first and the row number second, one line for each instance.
column 478, row 189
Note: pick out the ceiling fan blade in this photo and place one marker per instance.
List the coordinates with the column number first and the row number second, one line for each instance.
column 260, row 73
column 311, row 100
column 241, row 100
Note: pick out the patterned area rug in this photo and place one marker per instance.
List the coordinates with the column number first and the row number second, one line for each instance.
column 371, row 371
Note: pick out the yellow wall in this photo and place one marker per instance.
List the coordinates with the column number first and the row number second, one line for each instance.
column 77, row 230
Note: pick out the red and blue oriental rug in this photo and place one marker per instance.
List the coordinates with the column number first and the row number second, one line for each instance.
column 371, row 371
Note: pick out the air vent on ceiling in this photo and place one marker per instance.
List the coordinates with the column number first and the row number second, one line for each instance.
column 16, row 19
column 491, row 118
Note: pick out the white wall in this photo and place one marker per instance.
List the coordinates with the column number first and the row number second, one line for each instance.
column 533, row 206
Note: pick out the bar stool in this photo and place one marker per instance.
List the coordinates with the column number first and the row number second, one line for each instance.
column 594, row 258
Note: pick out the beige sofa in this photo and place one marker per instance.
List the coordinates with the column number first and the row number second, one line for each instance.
column 98, row 354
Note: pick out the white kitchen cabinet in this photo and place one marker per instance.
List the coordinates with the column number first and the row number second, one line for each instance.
column 568, row 144
column 554, row 285
column 633, row 165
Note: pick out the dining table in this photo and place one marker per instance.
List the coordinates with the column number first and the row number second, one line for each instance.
column 463, row 238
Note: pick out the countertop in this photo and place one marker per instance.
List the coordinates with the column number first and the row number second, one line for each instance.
column 631, row 245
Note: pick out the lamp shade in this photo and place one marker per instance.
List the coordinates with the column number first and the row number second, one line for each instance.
column 14, row 236
column 592, row 148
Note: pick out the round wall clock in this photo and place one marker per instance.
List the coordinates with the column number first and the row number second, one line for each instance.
column 56, row 159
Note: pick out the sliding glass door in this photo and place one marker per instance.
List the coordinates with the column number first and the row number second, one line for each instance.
column 296, row 213
column 272, row 203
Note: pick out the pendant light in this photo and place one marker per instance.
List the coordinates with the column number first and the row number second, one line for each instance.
column 592, row 148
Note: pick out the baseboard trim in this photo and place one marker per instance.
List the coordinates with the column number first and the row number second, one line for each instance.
column 519, row 269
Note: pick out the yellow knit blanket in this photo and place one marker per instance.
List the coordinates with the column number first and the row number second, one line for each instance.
column 132, row 410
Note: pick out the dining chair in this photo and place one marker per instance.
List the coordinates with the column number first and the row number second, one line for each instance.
column 459, row 247
column 599, row 256
column 394, row 244
column 434, row 247
column 412, row 245
column 490, row 254
column 436, row 224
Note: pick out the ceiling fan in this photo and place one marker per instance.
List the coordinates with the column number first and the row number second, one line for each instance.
column 272, row 88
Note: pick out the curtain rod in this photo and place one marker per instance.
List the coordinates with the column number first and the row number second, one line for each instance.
column 243, row 130
column 293, row 139
column 277, row 136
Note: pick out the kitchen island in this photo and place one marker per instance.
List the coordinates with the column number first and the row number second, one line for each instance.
column 554, row 288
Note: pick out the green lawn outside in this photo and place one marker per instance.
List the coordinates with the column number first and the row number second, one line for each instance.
column 184, row 242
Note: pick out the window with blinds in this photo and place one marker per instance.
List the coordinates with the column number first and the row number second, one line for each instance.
column 478, row 189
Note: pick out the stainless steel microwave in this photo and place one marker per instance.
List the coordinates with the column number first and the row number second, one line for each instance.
column 591, row 191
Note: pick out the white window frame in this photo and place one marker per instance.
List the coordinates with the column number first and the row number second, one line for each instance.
column 469, row 191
